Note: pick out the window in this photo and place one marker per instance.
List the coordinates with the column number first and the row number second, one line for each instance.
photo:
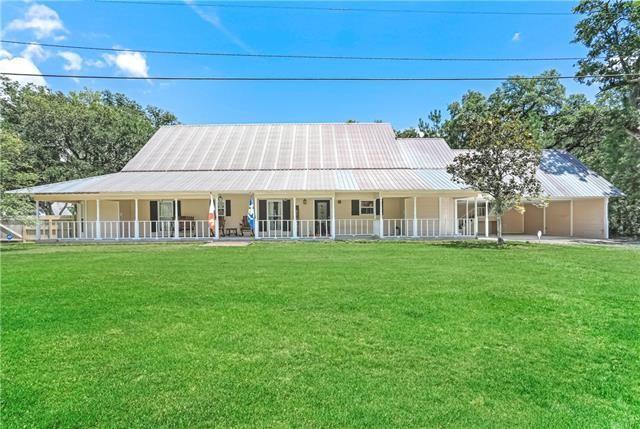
column 221, row 207
column 366, row 207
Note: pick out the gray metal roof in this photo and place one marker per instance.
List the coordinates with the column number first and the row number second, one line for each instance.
column 269, row 147
column 306, row 157
column 254, row 181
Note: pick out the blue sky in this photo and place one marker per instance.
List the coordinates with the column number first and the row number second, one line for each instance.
column 188, row 27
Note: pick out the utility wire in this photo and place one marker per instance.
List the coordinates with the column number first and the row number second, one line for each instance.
column 293, row 56
column 318, row 79
column 334, row 8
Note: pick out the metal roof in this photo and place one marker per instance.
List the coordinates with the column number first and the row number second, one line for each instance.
column 254, row 181
column 269, row 147
column 306, row 157
column 562, row 175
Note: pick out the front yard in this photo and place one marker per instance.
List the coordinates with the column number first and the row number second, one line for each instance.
column 320, row 334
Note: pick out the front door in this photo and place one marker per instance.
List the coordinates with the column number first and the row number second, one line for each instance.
column 322, row 217
column 274, row 215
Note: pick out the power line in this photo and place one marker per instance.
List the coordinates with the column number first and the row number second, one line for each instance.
column 316, row 79
column 293, row 56
column 334, row 8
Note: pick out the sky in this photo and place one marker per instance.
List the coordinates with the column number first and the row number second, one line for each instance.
column 195, row 27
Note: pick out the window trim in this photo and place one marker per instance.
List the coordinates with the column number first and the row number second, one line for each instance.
column 372, row 208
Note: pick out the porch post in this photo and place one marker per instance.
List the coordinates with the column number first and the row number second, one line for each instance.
column 486, row 218
column 136, row 226
column 98, row 229
column 606, row 218
column 381, row 216
column 85, row 217
column 176, row 224
column 544, row 220
column 455, row 217
column 295, row 220
column 217, row 218
column 333, row 217
column 571, row 218
column 415, row 216
column 475, row 216
column 37, row 220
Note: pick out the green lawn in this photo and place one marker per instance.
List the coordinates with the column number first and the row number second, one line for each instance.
column 320, row 334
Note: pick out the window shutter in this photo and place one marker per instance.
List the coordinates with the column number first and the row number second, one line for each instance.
column 286, row 214
column 355, row 207
column 179, row 209
column 153, row 214
column 377, row 206
column 227, row 207
column 262, row 214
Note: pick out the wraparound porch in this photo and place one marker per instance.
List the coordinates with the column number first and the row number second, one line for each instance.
column 277, row 216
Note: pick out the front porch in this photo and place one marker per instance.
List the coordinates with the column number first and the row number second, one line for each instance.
column 277, row 216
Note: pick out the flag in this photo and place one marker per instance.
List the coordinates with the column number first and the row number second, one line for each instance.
column 250, row 214
column 212, row 216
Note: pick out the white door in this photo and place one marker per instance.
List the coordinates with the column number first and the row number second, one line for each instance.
column 274, row 215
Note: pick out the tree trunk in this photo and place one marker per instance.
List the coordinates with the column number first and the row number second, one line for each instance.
column 499, row 229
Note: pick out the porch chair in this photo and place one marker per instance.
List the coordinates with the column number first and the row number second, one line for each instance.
column 244, row 226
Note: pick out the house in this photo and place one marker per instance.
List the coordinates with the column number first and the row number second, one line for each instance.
column 310, row 181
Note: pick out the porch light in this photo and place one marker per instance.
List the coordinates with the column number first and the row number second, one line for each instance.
column 304, row 201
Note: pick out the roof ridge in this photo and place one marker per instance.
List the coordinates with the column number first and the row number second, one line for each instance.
column 228, row 124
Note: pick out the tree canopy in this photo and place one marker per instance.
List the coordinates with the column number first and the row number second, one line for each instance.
column 54, row 136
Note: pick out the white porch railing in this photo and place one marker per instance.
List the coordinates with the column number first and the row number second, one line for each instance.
column 466, row 227
column 275, row 228
column 272, row 229
column 425, row 228
column 428, row 228
column 355, row 227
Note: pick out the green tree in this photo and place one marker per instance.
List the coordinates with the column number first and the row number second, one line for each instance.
column 501, row 162
column 15, row 172
column 79, row 134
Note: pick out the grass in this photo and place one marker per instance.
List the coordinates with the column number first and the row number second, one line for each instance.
column 320, row 335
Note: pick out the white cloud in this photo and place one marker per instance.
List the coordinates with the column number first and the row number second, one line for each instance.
column 5, row 54
column 42, row 20
column 516, row 37
column 95, row 63
column 35, row 53
column 74, row 61
column 130, row 63
column 22, row 65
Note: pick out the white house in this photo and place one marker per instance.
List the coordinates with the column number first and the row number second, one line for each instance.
column 309, row 181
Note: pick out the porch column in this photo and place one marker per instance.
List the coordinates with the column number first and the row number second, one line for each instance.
column 295, row 220
column 98, row 229
column 415, row 216
column 37, row 220
column 486, row 218
column 571, row 218
column 475, row 216
column 176, row 224
column 606, row 218
column 136, row 226
column 544, row 220
column 455, row 217
column 85, row 218
column 381, row 216
column 217, row 218
column 333, row 217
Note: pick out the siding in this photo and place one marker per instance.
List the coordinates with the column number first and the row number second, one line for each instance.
column 588, row 218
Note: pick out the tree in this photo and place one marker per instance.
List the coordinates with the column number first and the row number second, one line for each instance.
column 610, row 30
column 79, row 134
column 15, row 172
column 501, row 162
